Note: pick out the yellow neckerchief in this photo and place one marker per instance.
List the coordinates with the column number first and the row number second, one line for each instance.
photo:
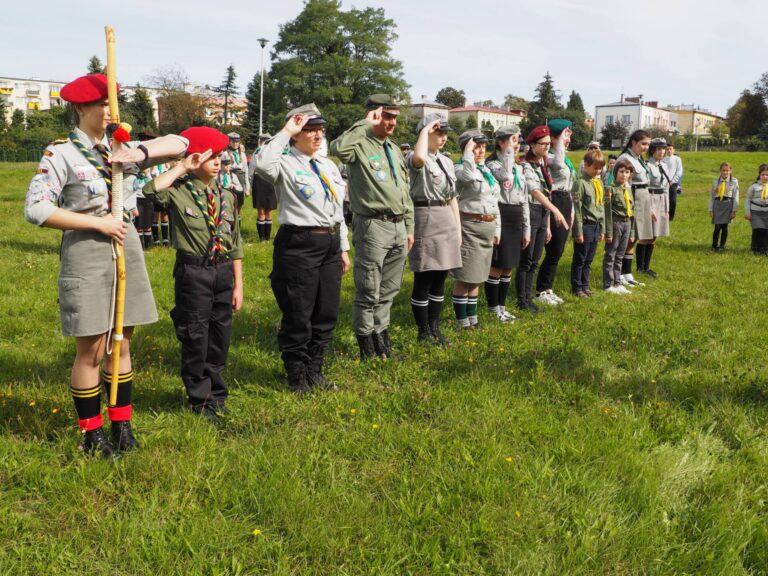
column 764, row 192
column 599, row 192
column 721, row 190
column 627, row 200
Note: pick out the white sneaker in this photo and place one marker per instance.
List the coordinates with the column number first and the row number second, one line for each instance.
column 622, row 290
column 505, row 316
column 546, row 298
column 632, row 281
column 555, row 297
column 613, row 290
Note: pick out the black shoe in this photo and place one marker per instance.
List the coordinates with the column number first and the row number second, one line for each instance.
column 529, row 306
column 297, row 377
column 208, row 412
column 437, row 336
column 425, row 334
column 122, row 437
column 382, row 344
column 650, row 273
column 318, row 380
column 95, row 442
column 367, row 348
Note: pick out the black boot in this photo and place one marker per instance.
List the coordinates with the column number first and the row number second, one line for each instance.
column 367, row 349
column 382, row 345
column 95, row 442
column 122, row 436
column 437, row 336
column 420, row 315
column 297, row 377
column 315, row 376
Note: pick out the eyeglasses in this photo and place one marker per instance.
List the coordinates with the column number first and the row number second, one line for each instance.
column 543, row 143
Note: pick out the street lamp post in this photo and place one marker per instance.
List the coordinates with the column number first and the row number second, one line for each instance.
column 263, row 43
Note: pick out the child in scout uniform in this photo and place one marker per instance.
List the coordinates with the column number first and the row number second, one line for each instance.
column 235, row 153
column 478, row 193
column 208, row 271
column 563, row 175
column 618, row 227
column 608, row 176
column 637, row 145
column 310, row 249
column 71, row 192
column 658, row 187
column 382, row 222
column 756, row 211
column 589, row 221
column 264, row 198
column 226, row 180
column 437, row 233
column 515, row 220
column 723, row 204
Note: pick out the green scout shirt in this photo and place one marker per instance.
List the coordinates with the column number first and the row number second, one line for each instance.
column 616, row 208
column 189, row 230
column 585, row 206
column 374, row 187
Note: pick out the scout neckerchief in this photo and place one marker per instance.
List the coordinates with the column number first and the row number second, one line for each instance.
column 206, row 202
column 599, row 192
column 610, row 178
column 104, row 169
column 721, row 190
column 627, row 200
column 388, row 154
column 542, row 171
column 764, row 192
column 571, row 167
column 448, row 177
column 330, row 193
column 236, row 154
column 487, row 175
column 225, row 180
column 643, row 164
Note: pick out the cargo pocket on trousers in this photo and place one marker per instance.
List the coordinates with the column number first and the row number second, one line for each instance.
column 70, row 297
column 188, row 327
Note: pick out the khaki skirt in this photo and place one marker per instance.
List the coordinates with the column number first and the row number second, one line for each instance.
column 436, row 240
column 660, row 207
column 722, row 210
column 642, row 214
column 476, row 251
column 87, row 280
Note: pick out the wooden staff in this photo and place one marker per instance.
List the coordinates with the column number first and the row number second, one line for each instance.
column 117, row 212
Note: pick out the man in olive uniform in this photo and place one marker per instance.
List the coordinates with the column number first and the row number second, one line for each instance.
column 382, row 222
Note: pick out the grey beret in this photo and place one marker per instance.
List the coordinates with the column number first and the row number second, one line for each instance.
column 473, row 134
column 507, row 131
column 429, row 118
column 234, row 136
column 309, row 110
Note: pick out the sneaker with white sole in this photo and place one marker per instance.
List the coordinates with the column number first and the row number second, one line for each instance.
column 546, row 298
column 622, row 290
column 612, row 290
column 623, row 280
column 505, row 316
column 555, row 297
column 632, row 281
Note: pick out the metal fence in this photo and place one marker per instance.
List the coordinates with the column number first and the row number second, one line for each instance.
column 21, row 154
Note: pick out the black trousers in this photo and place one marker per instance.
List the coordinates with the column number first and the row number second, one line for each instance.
column 529, row 258
column 583, row 255
column 556, row 246
column 306, row 282
column 673, row 191
column 202, row 317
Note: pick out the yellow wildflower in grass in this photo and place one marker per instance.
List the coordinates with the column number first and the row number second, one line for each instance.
column 517, row 514
column 375, row 426
column 32, row 402
column 353, row 411
column 256, row 532
column 55, row 411
column 508, row 458
column 653, row 381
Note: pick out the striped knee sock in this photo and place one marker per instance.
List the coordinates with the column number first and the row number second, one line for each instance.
column 88, row 407
column 123, row 410
column 492, row 293
column 460, row 309
column 472, row 310
column 504, row 282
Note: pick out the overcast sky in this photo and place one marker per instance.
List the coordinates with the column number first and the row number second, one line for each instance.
column 675, row 51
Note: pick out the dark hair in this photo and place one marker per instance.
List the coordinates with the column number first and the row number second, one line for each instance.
column 612, row 157
column 636, row 136
column 594, row 158
column 622, row 164
column 725, row 165
column 763, row 168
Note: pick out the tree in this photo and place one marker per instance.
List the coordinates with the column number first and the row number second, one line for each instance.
column 575, row 103
column 488, row 130
column 227, row 89
column 271, row 124
column 56, row 119
column 18, row 120
column 516, row 102
column 451, row 97
column 180, row 110
column 747, row 115
column 3, row 114
column 486, row 103
column 143, row 111
column 168, row 79
column 95, row 66
column 657, row 131
column 719, row 132
column 471, row 122
column 614, row 134
column 544, row 106
column 338, row 57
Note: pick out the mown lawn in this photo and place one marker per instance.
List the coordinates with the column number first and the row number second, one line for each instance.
column 618, row 435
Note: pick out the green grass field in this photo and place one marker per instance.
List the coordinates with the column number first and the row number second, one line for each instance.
column 617, row 435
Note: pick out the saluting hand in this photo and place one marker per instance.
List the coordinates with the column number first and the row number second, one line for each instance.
column 375, row 116
column 295, row 124
column 433, row 127
column 470, row 145
column 194, row 161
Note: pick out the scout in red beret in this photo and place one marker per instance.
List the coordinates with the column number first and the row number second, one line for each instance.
column 537, row 134
column 203, row 138
column 86, row 89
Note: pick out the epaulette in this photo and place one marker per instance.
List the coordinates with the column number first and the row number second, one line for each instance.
column 59, row 141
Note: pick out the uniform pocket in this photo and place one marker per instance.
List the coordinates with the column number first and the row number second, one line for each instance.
column 70, row 297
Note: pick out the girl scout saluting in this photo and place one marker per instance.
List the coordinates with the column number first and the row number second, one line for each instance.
column 70, row 192
column 310, row 250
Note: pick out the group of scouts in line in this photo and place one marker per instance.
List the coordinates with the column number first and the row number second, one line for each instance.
column 477, row 221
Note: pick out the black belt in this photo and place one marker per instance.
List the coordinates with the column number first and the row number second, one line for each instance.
column 329, row 230
column 428, row 203
column 725, row 198
column 560, row 192
column 514, row 205
column 638, row 186
column 214, row 260
column 657, row 190
column 589, row 223
column 621, row 218
column 387, row 217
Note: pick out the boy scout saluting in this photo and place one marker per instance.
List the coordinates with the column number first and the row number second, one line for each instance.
column 239, row 166
column 310, row 251
column 71, row 192
column 382, row 223
column 208, row 272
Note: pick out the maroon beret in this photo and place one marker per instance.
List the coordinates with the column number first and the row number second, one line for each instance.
column 537, row 134
column 86, row 89
column 202, row 138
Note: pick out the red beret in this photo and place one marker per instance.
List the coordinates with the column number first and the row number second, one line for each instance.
column 202, row 138
column 86, row 89
column 537, row 134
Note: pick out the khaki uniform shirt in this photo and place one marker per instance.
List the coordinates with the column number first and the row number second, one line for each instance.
column 302, row 199
column 189, row 229
column 731, row 192
column 376, row 188
column 435, row 181
column 476, row 195
column 512, row 182
column 585, row 206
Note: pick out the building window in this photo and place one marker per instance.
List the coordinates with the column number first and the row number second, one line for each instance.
column 609, row 119
column 625, row 119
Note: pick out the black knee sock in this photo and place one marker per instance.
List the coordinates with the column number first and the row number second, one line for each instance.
column 640, row 257
column 460, row 307
column 88, row 407
column 165, row 232
column 156, row 233
column 504, row 282
column 715, row 235
column 267, row 229
column 648, row 254
column 435, row 306
column 723, row 235
column 260, row 228
column 626, row 264
column 492, row 293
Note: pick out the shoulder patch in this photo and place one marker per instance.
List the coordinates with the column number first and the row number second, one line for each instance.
column 47, row 152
